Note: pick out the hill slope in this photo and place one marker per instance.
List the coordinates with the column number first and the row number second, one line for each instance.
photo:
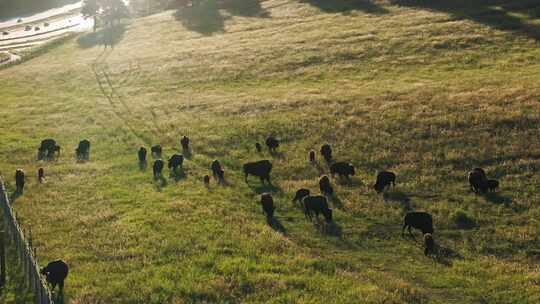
column 425, row 92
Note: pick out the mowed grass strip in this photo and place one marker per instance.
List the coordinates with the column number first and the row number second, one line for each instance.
column 419, row 92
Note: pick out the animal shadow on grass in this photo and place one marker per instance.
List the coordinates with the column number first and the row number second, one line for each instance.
column 496, row 198
column 336, row 202
column 106, row 36
column 275, row 224
column 178, row 174
column 445, row 255
column 15, row 195
column 331, row 229
column 402, row 198
column 161, row 182
column 143, row 165
column 187, row 153
column 262, row 188
column 277, row 154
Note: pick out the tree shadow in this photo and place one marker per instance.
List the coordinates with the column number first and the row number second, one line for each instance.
column 498, row 14
column 203, row 17
column 276, row 225
column 346, row 6
column 105, row 36
column 246, row 8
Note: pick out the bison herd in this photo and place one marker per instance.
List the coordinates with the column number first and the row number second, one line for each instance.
column 313, row 205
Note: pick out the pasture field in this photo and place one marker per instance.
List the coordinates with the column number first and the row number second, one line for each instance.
column 428, row 92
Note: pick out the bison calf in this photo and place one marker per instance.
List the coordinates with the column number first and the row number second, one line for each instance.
column 19, row 180
column 142, row 154
column 272, row 143
column 83, row 150
column 311, row 156
column 206, row 180
column 157, row 168
column 184, row 142
column 477, row 180
column 326, row 152
column 317, row 204
column 324, row 186
column 429, row 244
column 258, row 147
column 384, row 179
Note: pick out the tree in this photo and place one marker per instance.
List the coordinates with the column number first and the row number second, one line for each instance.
column 109, row 10
column 90, row 8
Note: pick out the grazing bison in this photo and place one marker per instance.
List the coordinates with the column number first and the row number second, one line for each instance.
column 184, row 142
column 19, row 180
column 156, row 150
column 48, row 148
column 258, row 147
column 267, row 203
column 429, row 244
column 384, row 179
column 324, row 185
column 342, row 169
column 158, row 168
column 418, row 220
column 174, row 162
column 206, row 180
column 477, row 180
column 41, row 175
column 83, row 150
column 492, row 184
column 142, row 154
column 326, row 152
column 55, row 273
column 317, row 204
column 215, row 167
column 260, row 169
column 300, row 194
column 220, row 175
column 311, row 156
column 272, row 143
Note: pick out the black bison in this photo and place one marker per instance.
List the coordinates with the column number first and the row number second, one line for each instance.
column 317, row 204
column 492, row 184
column 220, row 175
column 174, row 162
column 206, row 180
column 142, row 154
column 83, row 150
column 260, row 169
column 157, row 168
column 311, row 156
column 418, row 220
column 156, row 150
column 41, row 175
column 384, row 179
column 477, row 180
column 429, row 244
column 19, row 180
column 215, row 167
column 48, row 148
column 55, row 273
column 267, row 203
column 326, row 152
column 342, row 169
column 272, row 143
column 300, row 194
column 184, row 142
column 258, row 147
column 324, row 185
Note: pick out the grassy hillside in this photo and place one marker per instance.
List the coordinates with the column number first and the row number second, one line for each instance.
column 427, row 92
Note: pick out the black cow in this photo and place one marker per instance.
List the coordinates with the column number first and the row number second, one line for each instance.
column 156, row 150
column 311, row 156
column 260, row 169
column 258, row 147
column 272, row 143
column 48, row 148
column 55, row 273
column 324, row 185
column 184, row 142
column 384, row 179
column 300, row 194
column 158, row 168
column 317, row 204
column 267, row 203
column 41, row 175
column 477, row 180
column 429, row 244
column 19, row 180
column 342, row 169
column 142, row 154
column 83, row 150
column 418, row 220
column 326, row 152
column 174, row 162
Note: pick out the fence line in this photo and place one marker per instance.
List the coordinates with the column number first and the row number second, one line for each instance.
column 33, row 279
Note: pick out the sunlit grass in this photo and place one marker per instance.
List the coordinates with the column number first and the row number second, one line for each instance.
column 418, row 92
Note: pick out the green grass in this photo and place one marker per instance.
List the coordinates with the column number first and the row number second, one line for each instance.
column 412, row 89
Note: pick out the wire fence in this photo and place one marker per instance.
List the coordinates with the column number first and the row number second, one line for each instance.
column 25, row 251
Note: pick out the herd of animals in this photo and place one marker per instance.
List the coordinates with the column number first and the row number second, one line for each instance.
column 313, row 205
